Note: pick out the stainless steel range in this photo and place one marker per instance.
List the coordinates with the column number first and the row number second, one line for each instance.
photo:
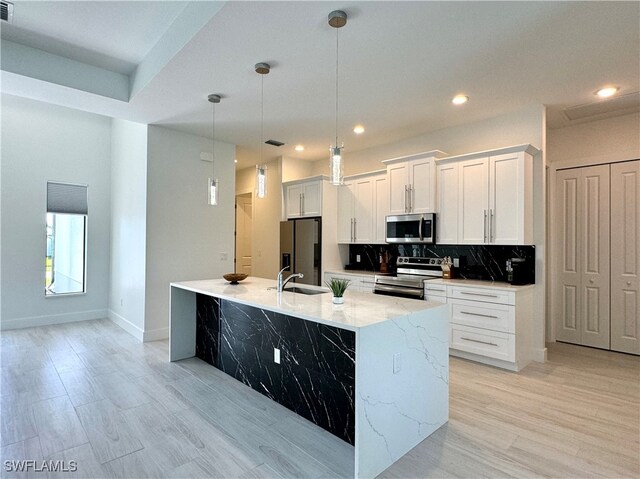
column 409, row 280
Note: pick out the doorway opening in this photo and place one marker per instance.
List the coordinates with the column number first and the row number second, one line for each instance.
column 243, row 234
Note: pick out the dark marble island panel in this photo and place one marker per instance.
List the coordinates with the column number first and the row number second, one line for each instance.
column 316, row 374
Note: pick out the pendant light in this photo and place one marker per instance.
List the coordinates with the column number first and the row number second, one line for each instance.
column 262, row 69
column 337, row 19
column 213, row 181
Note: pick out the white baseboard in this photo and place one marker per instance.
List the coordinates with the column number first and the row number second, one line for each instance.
column 539, row 355
column 140, row 334
column 156, row 334
column 35, row 321
column 127, row 325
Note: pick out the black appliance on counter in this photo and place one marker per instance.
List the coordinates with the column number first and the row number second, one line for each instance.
column 300, row 247
column 409, row 280
column 518, row 271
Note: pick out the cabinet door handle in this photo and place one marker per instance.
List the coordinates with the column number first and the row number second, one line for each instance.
column 406, row 199
column 355, row 231
column 411, row 193
column 351, row 231
column 478, row 341
column 491, row 226
column 479, row 314
column 300, row 203
column 484, row 229
column 480, row 294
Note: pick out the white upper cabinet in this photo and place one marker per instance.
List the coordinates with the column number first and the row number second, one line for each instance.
column 473, row 206
column 447, row 207
column 360, row 213
column 304, row 199
column 511, row 199
column 345, row 212
column 412, row 183
column 381, row 195
column 493, row 201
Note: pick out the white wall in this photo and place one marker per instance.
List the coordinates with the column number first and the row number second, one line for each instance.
column 43, row 142
column 267, row 214
column 128, row 225
column 294, row 168
column 185, row 236
column 612, row 139
column 515, row 128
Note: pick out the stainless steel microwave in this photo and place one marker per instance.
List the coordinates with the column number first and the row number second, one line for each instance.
column 415, row 228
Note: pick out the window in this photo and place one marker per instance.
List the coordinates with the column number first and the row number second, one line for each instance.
column 66, row 254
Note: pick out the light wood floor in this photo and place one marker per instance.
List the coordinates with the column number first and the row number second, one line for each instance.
column 89, row 392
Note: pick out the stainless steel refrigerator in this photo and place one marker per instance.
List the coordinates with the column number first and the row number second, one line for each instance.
column 300, row 248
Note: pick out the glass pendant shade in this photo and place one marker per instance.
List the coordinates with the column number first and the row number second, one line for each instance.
column 213, row 192
column 261, row 181
column 336, row 166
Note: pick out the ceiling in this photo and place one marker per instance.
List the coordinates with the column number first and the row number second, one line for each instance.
column 400, row 64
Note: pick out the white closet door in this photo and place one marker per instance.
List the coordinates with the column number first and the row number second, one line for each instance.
column 595, row 259
column 625, row 257
column 568, row 228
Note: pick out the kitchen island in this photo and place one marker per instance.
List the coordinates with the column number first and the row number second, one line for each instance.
column 373, row 371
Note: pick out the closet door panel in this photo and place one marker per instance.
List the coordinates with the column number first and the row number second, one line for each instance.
column 625, row 257
column 568, row 306
column 595, row 256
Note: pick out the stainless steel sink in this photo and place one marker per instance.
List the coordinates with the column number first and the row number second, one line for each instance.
column 295, row 289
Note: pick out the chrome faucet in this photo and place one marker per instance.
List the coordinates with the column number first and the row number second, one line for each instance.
column 281, row 283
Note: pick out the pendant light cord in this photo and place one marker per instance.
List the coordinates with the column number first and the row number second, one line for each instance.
column 337, row 56
column 213, row 141
column 261, row 118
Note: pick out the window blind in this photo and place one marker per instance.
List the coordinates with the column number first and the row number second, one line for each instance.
column 66, row 198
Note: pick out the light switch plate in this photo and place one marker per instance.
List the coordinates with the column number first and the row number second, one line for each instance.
column 357, row 258
column 276, row 355
column 224, row 256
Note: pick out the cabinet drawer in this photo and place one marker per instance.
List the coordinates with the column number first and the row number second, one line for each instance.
column 434, row 297
column 486, row 295
column 496, row 317
column 440, row 289
column 491, row 344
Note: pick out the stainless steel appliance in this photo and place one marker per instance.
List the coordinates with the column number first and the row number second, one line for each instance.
column 409, row 280
column 300, row 248
column 415, row 228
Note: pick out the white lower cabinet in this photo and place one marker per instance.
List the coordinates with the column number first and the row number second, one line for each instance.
column 491, row 325
column 484, row 343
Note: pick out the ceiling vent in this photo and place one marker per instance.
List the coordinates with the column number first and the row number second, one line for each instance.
column 620, row 105
column 6, row 11
column 274, row 143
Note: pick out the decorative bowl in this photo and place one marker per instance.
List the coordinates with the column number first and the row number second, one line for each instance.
column 234, row 278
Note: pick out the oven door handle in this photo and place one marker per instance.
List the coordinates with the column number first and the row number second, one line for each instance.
column 418, row 293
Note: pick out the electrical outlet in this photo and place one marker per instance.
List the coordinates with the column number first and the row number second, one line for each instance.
column 276, row 355
column 397, row 363
column 456, row 262
column 224, row 256
column 357, row 258
column 121, row 302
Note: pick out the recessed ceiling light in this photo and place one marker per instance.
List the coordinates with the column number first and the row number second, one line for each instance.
column 299, row 148
column 358, row 129
column 459, row 99
column 607, row 91
column 235, row 161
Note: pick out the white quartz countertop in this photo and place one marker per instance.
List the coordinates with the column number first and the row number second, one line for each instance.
column 471, row 283
column 358, row 311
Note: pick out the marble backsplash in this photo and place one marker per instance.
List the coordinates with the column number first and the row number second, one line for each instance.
column 487, row 262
